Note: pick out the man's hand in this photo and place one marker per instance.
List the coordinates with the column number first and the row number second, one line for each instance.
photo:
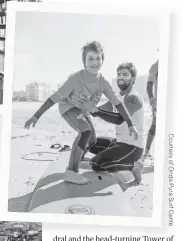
column 94, row 112
column 32, row 121
column 78, row 100
column 89, row 106
column 133, row 131
column 152, row 101
column 82, row 102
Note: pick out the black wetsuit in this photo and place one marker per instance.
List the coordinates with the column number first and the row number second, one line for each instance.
column 110, row 155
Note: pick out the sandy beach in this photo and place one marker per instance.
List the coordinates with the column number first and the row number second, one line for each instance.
column 51, row 129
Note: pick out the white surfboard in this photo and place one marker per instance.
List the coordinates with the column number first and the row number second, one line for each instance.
column 103, row 196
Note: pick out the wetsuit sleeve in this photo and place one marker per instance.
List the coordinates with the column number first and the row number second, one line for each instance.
column 65, row 90
column 106, row 106
column 133, row 103
column 105, row 112
column 47, row 105
column 110, row 117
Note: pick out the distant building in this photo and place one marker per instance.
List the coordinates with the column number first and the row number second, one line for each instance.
column 3, row 7
column 19, row 96
column 38, row 91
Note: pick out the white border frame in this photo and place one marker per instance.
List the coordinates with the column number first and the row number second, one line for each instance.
column 142, row 10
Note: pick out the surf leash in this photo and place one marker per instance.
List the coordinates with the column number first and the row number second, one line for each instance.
column 41, row 153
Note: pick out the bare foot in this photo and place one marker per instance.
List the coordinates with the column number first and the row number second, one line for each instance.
column 121, row 181
column 137, row 171
column 74, row 177
column 123, row 185
column 133, row 183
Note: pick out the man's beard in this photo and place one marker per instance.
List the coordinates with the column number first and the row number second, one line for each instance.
column 124, row 87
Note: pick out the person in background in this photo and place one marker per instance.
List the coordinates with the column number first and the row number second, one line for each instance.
column 152, row 85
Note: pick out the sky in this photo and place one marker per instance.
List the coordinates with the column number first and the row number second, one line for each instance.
column 48, row 45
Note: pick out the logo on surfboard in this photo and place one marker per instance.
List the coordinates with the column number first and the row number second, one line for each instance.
column 80, row 209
